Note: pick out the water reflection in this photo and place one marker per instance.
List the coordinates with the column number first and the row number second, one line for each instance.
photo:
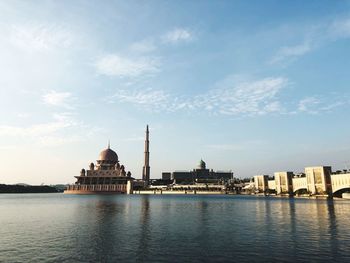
column 145, row 232
column 174, row 228
column 99, row 228
column 333, row 229
column 293, row 227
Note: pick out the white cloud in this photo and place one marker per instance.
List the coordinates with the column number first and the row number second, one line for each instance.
column 340, row 28
column 225, row 147
column 291, row 52
column 154, row 100
column 239, row 146
column 231, row 97
column 177, row 35
column 309, row 105
column 315, row 36
column 23, row 115
column 144, row 46
column 55, row 98
column 138, row 64
column 60, row 122
column 40, row 37
column 51, row 141
column 318, row 104
column 234, row 96
column 134, row 139
column 243, row 97
column 62, row 129
column 115, row 65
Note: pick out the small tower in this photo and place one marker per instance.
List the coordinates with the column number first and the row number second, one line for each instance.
column 146, row 168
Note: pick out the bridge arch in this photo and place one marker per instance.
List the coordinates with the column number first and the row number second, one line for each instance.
column 338, row 192
column 300, row 190
column 340, row 183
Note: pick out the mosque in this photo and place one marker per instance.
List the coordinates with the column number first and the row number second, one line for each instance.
column 108, row 175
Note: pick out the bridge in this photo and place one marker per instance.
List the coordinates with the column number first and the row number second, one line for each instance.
column 318, row 180
column 340, row 183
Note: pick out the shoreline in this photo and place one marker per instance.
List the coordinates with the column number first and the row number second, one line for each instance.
column 181, row 193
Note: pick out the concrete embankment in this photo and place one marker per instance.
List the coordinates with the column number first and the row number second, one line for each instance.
column 165, row 192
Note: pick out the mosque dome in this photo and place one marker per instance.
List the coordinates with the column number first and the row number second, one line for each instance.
column 108, row 155
column 201, row 164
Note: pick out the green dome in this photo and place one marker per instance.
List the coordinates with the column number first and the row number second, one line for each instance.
column 201, row 164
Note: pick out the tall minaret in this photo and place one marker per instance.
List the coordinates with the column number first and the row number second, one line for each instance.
column 146, row 168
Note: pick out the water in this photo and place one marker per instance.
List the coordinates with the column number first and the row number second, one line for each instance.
column 122, row 228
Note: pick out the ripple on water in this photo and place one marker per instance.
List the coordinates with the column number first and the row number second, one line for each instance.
column 63, row 228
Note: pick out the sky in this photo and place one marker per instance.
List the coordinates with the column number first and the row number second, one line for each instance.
column 249, row 86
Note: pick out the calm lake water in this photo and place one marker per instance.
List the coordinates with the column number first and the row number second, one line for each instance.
column 125, row 228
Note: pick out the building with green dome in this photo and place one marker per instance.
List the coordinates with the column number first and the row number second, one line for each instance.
column 198, row 175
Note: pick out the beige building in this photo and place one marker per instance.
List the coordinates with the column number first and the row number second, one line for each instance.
column 283, row 182
column 261, row 183
column 106, row 176
column 319, row 179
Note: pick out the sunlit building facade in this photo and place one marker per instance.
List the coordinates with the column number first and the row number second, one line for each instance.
column 106, row 176
column 198, row 175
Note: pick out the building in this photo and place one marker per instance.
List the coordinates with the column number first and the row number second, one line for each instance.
column 106, row 176
column 283, row 182
column 199, row 175
column 166, row 176
column 261, row 183
column 319, row 179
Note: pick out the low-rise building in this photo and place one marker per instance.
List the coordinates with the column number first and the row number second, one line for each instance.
column 199, row 175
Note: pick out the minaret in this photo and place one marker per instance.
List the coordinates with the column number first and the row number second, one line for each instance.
column 146, row 168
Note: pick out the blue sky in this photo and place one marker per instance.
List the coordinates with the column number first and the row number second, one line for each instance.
column 251, row 86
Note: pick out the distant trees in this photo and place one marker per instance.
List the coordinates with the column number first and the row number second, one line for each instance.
column 27, row 189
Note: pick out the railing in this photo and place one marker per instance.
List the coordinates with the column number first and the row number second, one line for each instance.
column 98, row 188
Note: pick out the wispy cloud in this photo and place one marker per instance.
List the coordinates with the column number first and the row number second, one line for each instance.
column 313, row 37
column 177, row 35
column 340, row 28
column 153, row 100
column 116, row 65
column 291, row 52
column 60, row 122
column 62, row 129
column 232, row 97
column 135, row 62
column 239, row 146
column 40, row 37
column 23, row 115
column 60, row 99
column 144, row 46
column 309, row 105
column 318, row 104
column 52, row 141
column 229, row 97
column 225, row 147
column 134, row 139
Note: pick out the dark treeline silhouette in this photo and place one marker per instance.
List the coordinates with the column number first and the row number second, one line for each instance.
column 4, row 188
